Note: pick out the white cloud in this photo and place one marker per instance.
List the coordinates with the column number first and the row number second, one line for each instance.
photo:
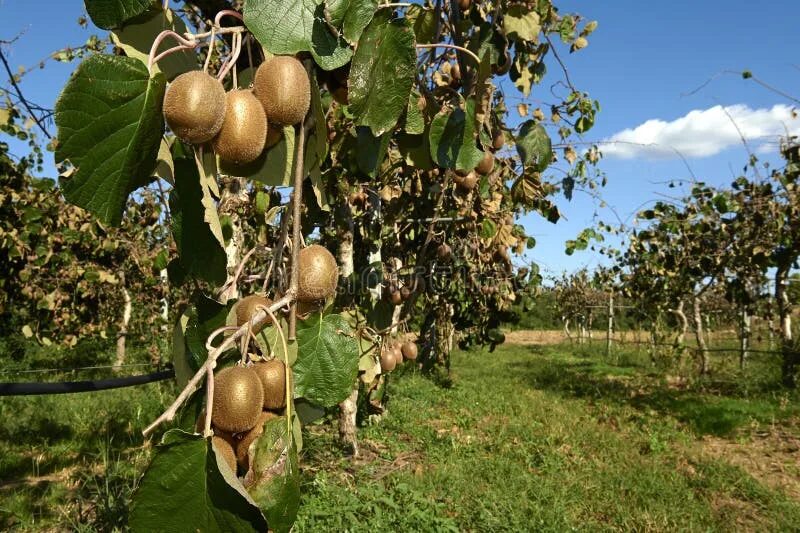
column 704, row 133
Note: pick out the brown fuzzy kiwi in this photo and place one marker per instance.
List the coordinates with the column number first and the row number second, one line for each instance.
column 388, row 362
column 405, row 292
column 395, row 297
column 467, row 182
column 443, row 251
column 464, row 5
column 499, row 140
column 282, row 86
column 397, row 353
column 238, row 398
column 243, row 446
column 409, row 350
column 249, row 306
column 274, row 135
column 272, row 375
column 194, row 106
column 223, row 446
column 487, row 163
column 318, row 274
column 244, row 131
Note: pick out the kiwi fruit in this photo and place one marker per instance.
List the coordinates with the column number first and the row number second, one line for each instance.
column 248, row 306
column 397, row 353
column 467, row 182
column 455, row 73
column 443, row 251
column 238, row 398
column 487, row 164
column 272, row 375
column 194, row 106
column 464, row 5
column 319, row 274
column 244, row 131
column 388, row 361
column 395, row 297
column 243, row 446
column 409, row 350
column 498, row 140
column 223, row 446
column 405, row 293
column 282, row 86
column 274, row 135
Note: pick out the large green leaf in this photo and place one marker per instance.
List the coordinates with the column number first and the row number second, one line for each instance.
column 138, row 34
column 204, row 316
column 423, row 21
column 452, row 138
column 327, row 360
column 187, row 488
column 195, row 225
column 521, row 22
column 358, row 16
column 534, row 146
column 276, row 484
column 180, row 355
column 371, row 150
column 382, row 73
column 273, row 167
column 109, row 127
column 286, row 27
column 108, row 14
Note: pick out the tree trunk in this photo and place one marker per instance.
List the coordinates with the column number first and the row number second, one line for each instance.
column 164, row 277
column 684, row 327
column 566, row 328
column 348, row 409
column 347, row 423
column 744, row 338
column 610, row 325
column 590, row 323
column 123, row 326
column 234, row 197
column 698, row 332
column 788, row 351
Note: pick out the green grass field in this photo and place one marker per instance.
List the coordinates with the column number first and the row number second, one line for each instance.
column 528, row 439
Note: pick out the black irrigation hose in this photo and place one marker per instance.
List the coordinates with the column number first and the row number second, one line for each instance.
column 66, row 387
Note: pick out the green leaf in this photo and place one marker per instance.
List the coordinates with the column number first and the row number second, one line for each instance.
column 371, row 151
column 187, row 488
column 358, row 16
column 521, row 22
column 195, row 225
column 108, row 14
column 534, row 146
column 317, row 140
column 488, row 229
column 137, row 36
column 204, row 316
column 452, row 138
column 109, row 127
column 270, row 343
column 416, row 150
column 424, row 23
column 276, row 486
column 273, row 167
column 382, row 73
column 415, row 120
column 327, row 360
column 285, row 27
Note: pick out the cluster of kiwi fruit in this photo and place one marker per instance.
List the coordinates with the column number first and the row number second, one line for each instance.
column 397, row 295
column 245, row 398
column 241, row 123
column 393, row 355
column 467, row 180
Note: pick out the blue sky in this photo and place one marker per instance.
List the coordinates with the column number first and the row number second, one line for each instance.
column 641, row 63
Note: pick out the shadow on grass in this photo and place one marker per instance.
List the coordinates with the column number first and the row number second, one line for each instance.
column 715, row 407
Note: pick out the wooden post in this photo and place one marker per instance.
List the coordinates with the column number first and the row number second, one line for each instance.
column 610, row 327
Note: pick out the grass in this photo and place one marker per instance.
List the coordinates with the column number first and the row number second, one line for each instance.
column 533, row 439
column 528, row 439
